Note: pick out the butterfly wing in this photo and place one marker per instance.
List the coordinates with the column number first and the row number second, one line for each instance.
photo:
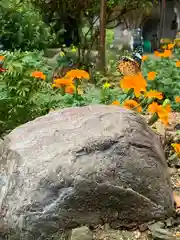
column 128, row 66
column 131, row 66
column 137, row 54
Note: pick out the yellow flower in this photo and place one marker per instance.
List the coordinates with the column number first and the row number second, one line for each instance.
column 38, row 75
column 62, row 54
column 106, row 85
column 76, row 73
column 54, row 85
column 176, row 147
column 162, row 112
column 171, row 46
column 73, row 49
column 164, row 47
column 177, row 99
column 130, row 104
column 178, row 64
column 80, row 92
column 151, row 75
column 144, row 58
column 154, row 94
column 135, row 82
column 116, row 102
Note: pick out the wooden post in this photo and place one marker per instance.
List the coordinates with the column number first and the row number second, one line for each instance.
column 162, row 19
column 102, row 54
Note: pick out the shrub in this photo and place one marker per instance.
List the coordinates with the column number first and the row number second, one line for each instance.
column 18, row 88
column 167, row 76
column 22, row 26
column 24, row 95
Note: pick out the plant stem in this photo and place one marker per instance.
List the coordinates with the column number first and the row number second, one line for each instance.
column 153, row 119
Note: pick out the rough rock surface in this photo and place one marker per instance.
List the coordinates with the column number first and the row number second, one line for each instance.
column 81, row 233
column 88, row 165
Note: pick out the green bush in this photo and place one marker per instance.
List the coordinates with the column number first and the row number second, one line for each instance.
column 22, row 27
column 23, row 97
column 18, row 88
column 167, row 78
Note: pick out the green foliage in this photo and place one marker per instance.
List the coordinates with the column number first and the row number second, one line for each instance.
column 167, row 80
column 22, row 26
column 23, row 98
column 67, row 58
column 109, row 36
column 177, row 52
column 68, row 18
column 17, row 88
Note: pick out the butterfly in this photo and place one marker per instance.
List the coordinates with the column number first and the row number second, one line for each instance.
column 129, row 66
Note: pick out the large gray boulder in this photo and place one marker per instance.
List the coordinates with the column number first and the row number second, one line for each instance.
column 87, row 165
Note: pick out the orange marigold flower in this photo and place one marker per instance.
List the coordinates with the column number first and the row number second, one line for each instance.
column 177, row 99
column 2, row 58
column 153, row 108
column 70, row 89
column 171, row 46
column 38, row 75
column 168, row 108
column 167, row 53
column 178, row 64
column 156, row 53
column 116, row 102
column 176, row 147
column 162, row 112
column 130, row 104
column 154, row 94
column 76, row 73
column 151, row 75
column 135, row 82
column 63, row 81
column 144, row 58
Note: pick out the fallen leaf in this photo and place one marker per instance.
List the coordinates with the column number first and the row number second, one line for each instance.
column 160, row 128
column 177, row 234
column 177, row 200
column 177, row 184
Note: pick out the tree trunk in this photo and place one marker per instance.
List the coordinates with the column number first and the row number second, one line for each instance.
column 102, row 56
